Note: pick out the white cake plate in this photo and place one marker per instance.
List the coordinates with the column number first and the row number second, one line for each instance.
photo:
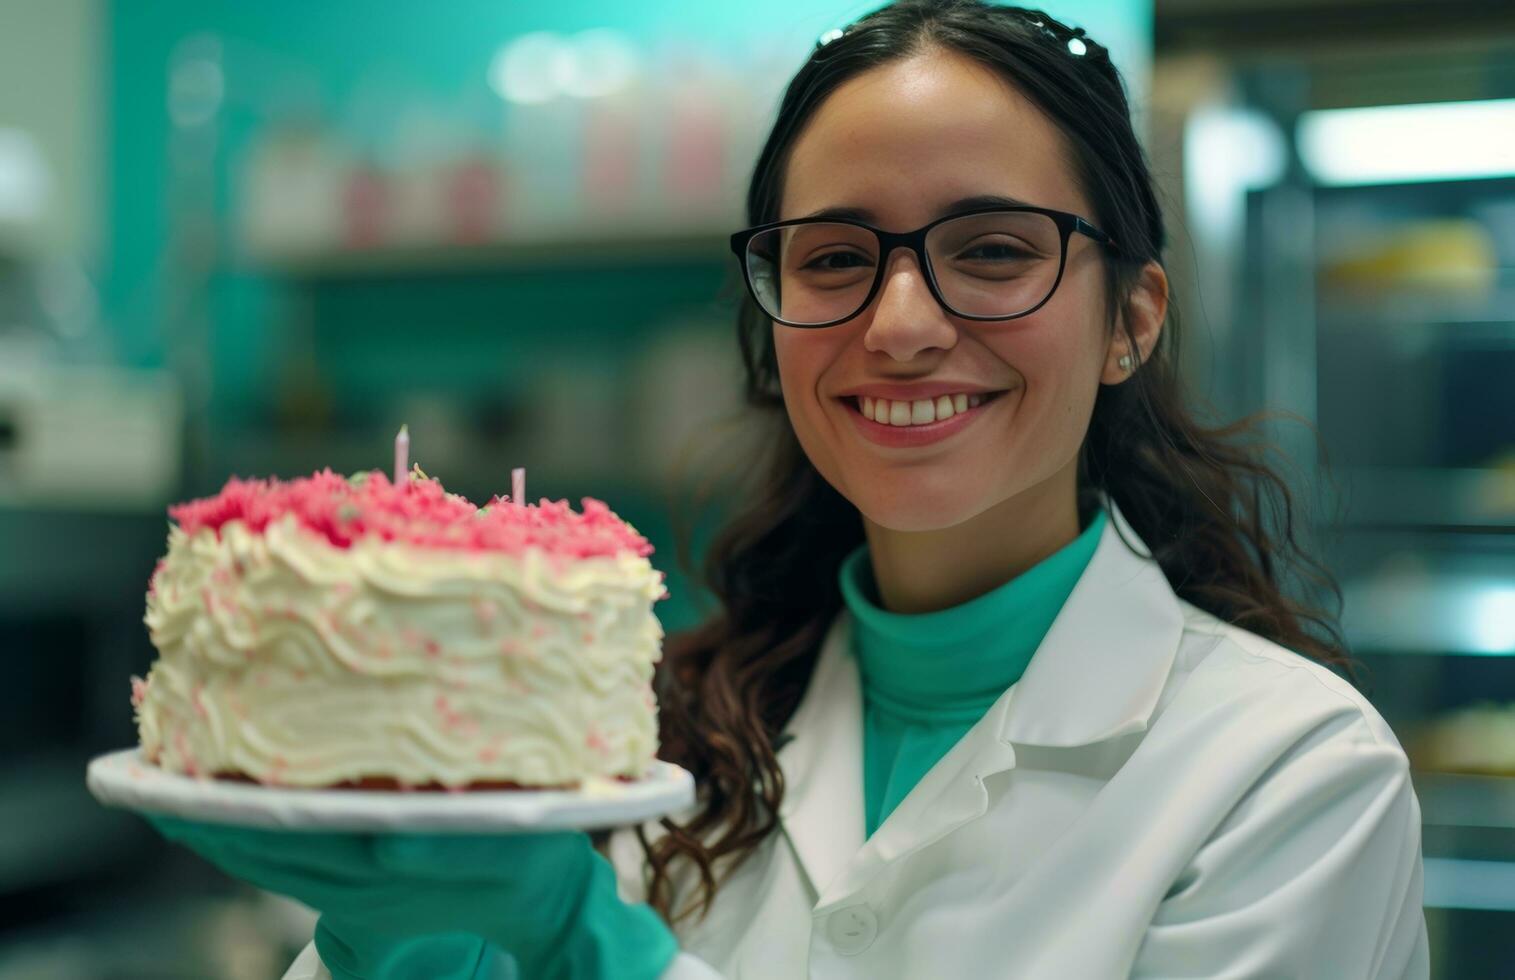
column 124, row 779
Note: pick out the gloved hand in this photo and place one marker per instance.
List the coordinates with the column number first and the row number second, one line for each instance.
column 388, row 901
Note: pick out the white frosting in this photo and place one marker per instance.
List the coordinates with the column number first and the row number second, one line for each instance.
column 295, row 662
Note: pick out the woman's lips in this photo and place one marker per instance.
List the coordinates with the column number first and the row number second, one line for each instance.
column 914, row 435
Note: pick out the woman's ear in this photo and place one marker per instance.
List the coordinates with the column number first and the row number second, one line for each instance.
column 1144, row 313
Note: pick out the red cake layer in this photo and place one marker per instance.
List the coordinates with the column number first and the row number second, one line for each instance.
column 390, row 783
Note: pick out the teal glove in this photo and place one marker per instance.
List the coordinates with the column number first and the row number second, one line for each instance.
column 393, row 905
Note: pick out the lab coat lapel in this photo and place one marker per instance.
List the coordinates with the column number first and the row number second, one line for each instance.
column 948, row 795
column 822, row 762
column 822, row 812
column 1101, row 667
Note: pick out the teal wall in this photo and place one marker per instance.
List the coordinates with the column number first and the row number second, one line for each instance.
column 323, row 50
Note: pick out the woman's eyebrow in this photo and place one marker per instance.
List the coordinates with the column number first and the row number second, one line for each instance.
column 956, row 207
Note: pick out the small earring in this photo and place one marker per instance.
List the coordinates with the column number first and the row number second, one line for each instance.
column 1125, row 362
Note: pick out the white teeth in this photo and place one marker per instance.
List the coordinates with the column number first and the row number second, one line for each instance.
column 918, row 412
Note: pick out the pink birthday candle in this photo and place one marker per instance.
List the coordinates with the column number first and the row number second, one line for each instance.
column 402, row 455
column 518, row 485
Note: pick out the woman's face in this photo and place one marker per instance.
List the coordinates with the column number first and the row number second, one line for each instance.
column 903, row 142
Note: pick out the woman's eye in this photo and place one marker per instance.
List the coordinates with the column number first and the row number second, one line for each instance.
column 996, row 252
column 836, row 260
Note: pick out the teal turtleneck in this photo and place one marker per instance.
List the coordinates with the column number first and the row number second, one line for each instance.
column 928, row 677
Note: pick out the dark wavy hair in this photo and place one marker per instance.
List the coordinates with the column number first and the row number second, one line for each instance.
column 1218, row 519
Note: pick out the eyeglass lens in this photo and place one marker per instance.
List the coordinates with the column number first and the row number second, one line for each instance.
column 994, row 264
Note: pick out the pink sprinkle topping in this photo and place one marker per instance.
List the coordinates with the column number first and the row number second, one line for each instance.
column 139, row 691
column 186, row 758
column 484, row 611
column 596, row 741
column 420, row 513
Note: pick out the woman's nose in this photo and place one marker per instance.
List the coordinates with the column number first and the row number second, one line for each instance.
column 906, row 316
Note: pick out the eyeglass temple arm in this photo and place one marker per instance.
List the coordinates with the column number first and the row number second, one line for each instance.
column 1079, row 224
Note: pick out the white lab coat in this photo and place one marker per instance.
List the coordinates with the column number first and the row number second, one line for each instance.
column 1160, row 795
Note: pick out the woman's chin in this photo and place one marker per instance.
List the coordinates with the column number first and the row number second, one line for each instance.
column 917, row 512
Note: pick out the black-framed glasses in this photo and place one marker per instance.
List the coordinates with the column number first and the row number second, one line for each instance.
column 995, row 263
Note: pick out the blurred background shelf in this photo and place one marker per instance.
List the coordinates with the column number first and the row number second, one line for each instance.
column 1463, row 614
column 503, row 256
column 1410, row 590
column 1418, row 309
column 1384, row 498
column 1469, row 828
column 1454, row 800
column 1461, row 883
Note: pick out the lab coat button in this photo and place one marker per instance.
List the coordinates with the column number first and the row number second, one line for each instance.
column 852, row 929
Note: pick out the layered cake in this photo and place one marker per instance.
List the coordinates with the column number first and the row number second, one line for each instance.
column 352, row 632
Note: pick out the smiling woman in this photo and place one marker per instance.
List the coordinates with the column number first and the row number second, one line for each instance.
column 990, row 528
